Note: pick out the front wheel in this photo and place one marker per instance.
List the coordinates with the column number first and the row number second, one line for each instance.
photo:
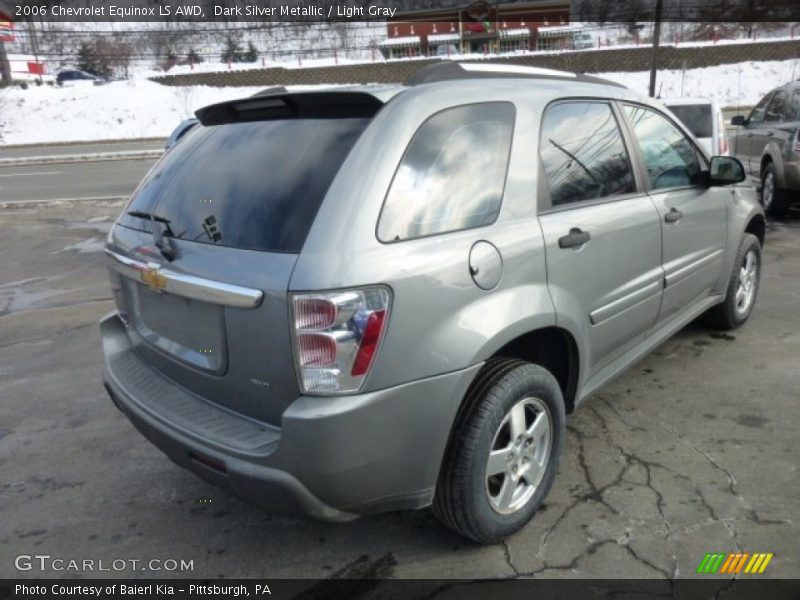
column 742, row 286
column 773, row 199
column 504, row 453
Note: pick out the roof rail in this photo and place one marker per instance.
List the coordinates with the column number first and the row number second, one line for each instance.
column 448, row 70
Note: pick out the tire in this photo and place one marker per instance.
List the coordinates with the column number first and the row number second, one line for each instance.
column 489, row 509
column 774, row 200
column 733, row 312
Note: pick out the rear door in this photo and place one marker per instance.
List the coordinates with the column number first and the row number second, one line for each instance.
column 777, row 113
column 692, row 215
column 235, row 201
column 746, row 146
column 602, row 234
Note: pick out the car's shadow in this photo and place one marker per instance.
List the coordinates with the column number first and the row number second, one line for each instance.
column 790, row 219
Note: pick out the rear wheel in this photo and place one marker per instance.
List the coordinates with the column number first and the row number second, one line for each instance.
column 504, row 453
column 742, row 287
column 774, row 199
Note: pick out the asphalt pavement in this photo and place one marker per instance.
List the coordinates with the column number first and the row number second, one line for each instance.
column 49, row 182
column 80, row 148
column 693, row 451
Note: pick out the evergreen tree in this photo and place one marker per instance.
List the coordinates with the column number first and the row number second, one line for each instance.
column 251, row 55
column 87, row 59
column 193, row 58
column 232, row 52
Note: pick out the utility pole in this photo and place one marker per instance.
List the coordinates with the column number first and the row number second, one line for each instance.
column 656, row 42
column 5, row 67
column 34, row 46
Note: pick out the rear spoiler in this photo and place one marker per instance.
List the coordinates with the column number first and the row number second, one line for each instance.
column 285, row 105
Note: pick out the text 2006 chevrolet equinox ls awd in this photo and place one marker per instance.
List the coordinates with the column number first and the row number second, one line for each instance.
column 370, row 299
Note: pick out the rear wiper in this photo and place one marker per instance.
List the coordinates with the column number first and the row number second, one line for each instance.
column 163, row 244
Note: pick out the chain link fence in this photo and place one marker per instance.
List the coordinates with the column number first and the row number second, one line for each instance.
column 588, row 61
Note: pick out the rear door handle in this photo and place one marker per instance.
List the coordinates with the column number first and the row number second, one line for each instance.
column 770, row 133
column 673, row 216
column 574, row 239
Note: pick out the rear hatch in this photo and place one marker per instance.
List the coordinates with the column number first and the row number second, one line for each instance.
column 232, row 204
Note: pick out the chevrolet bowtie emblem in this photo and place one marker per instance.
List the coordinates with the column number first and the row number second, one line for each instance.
column 153, row 279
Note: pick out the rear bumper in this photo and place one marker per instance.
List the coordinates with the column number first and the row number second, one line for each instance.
column 332, row 458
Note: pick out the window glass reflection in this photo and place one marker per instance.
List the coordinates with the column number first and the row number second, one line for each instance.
column 671, row 159
column 452, row 174
column 583, row 153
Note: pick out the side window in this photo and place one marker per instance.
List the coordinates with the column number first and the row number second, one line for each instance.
column 757, row 114
column 670, row 158
column 583, row 154
column 778, row 110
column 452, row 174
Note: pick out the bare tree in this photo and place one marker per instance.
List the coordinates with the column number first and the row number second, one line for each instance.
column 3, row 104
column 185, row 96
column 119, row 56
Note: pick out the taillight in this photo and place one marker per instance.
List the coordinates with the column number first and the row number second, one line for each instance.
column 723, row 139
column 337, row 336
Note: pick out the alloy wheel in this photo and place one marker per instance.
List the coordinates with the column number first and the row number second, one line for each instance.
column 747, row 284
column 519, row 455
column 768, row 191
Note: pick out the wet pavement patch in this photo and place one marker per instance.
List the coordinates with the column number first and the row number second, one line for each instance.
column 722, row 336
column 752, row 421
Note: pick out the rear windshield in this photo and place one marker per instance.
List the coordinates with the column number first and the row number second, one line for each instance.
column 254, row 185
column 696, row 117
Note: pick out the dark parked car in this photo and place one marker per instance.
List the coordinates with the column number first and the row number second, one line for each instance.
column 768, row 144
column 75, row 76
column 178, row 133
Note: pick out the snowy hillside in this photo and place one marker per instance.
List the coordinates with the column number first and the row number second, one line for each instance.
column 742, row 84
column 57, row 43
column 140, row 108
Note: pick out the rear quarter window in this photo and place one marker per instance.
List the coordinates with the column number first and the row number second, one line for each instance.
column 452, row 174
column 696, row 117
column 254, row 185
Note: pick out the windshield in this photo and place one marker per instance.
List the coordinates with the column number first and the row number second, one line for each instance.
column 254, row 185
column 696, row 117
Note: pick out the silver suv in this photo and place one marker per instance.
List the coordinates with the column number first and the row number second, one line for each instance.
column 345, row 302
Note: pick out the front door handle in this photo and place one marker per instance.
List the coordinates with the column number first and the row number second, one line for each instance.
column 574, row 239
column 673, row 216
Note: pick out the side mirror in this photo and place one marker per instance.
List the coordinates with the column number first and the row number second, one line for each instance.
column 725, row 170
column 738, row 120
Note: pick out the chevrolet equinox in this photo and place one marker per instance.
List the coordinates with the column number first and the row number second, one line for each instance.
column 343, row 302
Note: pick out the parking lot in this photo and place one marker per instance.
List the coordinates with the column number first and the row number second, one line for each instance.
column 692, row 451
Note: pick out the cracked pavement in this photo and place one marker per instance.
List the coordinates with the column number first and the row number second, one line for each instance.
column 694, row 450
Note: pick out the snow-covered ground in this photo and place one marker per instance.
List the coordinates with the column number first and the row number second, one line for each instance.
column 741, row 84
column 141, row 108
column 120, row 110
